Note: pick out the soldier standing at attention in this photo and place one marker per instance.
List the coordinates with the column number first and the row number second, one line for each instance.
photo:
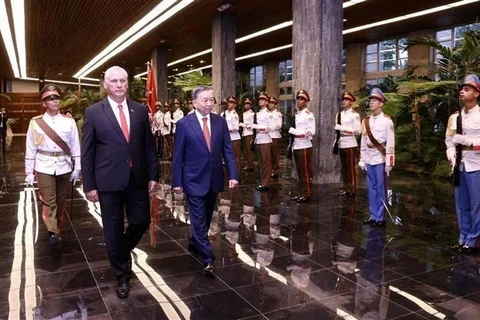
column 233, row 123
column 349, row 128
column 302, row 147
column 247, row 133
column 276, row 135
column 177, row 114
column 467, row 193
column 167, row 128
column 263, row 141
column 377, row 156
column 157, row 125
column 53, row 153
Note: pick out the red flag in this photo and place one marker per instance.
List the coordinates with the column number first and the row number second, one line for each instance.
column 152, row 93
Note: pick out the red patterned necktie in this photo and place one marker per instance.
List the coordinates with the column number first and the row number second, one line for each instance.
column 206, row 133
column 123, row 123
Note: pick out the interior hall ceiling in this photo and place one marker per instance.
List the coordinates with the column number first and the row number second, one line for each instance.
column 63, row 35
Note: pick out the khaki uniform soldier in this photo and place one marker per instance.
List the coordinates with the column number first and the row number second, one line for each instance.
column 52, row 153
column 233, row 123
column 247, row 133
column 276, row 135
column 263, row 141
column 348, row 126
column 302, row 147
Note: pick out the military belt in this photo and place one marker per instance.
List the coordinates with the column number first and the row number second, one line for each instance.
column 52, row 154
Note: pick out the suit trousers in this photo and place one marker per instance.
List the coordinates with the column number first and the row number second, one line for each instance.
column 276, row 156
column 264, row 154
column 303, row 162
column 377, row 191
column 135, row 201
column 467, row 202
column 347, row 161
column 247, row 151
column 200, row 209
column 53, row 195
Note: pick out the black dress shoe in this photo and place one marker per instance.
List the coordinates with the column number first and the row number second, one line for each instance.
column 303, row 199
column 54, row 240
column 208, row 270
column 378, row 224
column 349, row 194
column 342, row 193
column 456, row 247
column 261, row 188
column 123, row 289
column 468, row 250
column 368, row 221
column 295, row 197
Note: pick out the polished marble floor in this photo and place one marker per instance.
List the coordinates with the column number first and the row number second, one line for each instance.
column 275, row 259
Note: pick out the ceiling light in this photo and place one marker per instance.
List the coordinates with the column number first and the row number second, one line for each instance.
column 265, row 31
column 189, row 57
column 133, row 33
column 352, row 3
column 7, row 39
column 193, row 70
column 59, row 81
column 409, row 16
column 263, row 52
column 18, row 13
column 175, row 69
column 202, row 61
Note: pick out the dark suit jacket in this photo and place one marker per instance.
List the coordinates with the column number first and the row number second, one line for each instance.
column 4, row 119
column 106, row 153
column 195, row 168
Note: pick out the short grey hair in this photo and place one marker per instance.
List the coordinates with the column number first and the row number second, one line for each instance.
column 106, row 77
column 199, row 89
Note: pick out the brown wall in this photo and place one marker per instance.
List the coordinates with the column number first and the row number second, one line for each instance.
column 22, row 107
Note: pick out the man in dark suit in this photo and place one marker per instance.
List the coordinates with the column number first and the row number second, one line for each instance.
column 201, row 140
column 119, row 169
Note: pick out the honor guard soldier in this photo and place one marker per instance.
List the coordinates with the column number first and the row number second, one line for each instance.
column 247, row 133
column 157, row 125
column 263, row 141
column 177, row 114
column 168, row 127
column 348, row 127
column 3, row 127
column 52, row 153
column 276, row 135
column 467, row 192
column 377, row 156
column 302, row 147
column 190, row 107
column 233, row 122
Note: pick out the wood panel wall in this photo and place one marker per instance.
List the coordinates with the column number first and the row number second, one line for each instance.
column 22, row 107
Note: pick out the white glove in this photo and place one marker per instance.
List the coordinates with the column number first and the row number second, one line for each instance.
column 338, row 127
column 292, row 131
column 461, row 139
column 241, row 124
column 362, row 165
column 74, row 176
column 269, row 129
column 30, row 179
column 387, row 170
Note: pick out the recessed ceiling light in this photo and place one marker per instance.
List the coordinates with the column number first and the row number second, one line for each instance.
column 59, row 74
column 224, row 7
column 202, row 61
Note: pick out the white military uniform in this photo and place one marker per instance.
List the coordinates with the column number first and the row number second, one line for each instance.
column 381, row 127
column 41, row 152
column 247, row 123
column 471, row 129
column 177, row 115
column 166, row 123
column 275, row 132
column 304, row 129
column 157, row 121
column 264, row 123
column 350, row 122
column 233, row 123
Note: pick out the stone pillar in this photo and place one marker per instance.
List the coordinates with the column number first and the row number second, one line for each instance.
column 160, row 72
column 355, row 66
column 223, row 55
column 317, row 68
column 271, row 70
column 421, row 56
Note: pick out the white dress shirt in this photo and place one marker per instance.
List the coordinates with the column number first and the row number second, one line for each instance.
column 350, row 122
column 264, row 121
column 200, row 120
column 304, row 129
column 116, row 111
column 247, row 123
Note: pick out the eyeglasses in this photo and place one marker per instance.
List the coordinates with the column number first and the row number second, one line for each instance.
column 52, row 98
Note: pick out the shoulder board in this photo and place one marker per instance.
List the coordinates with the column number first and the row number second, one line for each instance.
column 37, row 117
column 307, row 112
column 387, row 116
